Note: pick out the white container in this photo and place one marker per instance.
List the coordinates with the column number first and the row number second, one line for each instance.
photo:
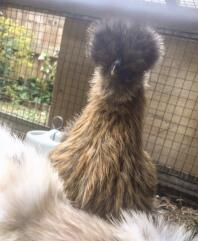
column 43, row 141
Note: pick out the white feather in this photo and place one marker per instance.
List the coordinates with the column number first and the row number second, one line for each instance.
column 33, row 206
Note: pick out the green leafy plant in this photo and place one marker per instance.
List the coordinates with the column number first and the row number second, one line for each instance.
column 48, row 69
column 34, row 89
column 15, row 51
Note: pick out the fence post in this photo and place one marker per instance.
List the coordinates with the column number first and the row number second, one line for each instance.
column 73, row 69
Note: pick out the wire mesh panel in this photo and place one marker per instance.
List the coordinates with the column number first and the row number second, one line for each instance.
column 171, row 133
column 73, row 70
column 29, row 49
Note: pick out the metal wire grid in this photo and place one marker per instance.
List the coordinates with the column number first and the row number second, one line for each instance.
column 73, row 72
column 45, row 28
column 171, row 133
column 45, row 31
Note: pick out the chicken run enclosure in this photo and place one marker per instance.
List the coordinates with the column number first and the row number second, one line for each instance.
column 44, row 72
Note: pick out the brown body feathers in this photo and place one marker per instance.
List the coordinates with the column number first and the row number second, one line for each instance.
column 102, row 161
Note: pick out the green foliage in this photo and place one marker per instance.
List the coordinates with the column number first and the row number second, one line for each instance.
column 34, row 89
column 46, row 83
column 14, row 47
column 15, row 52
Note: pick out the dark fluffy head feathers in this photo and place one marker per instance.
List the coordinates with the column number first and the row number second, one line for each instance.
column 134, row 46
column 123, row 51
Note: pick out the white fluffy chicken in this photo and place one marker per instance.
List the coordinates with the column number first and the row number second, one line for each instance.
column 33, row 206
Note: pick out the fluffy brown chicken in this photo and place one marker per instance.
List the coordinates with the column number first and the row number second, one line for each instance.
column 102, row 161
